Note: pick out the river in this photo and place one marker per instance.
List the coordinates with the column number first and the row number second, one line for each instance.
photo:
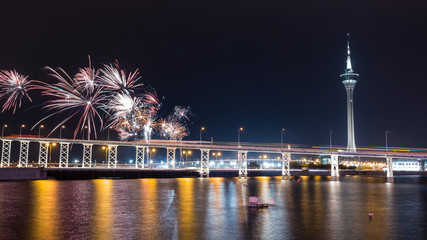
column 214, row 208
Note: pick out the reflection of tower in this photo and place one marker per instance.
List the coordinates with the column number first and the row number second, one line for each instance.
column 349, row 81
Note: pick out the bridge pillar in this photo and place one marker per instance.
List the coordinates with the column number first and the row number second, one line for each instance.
column 5, row 154
column 140, row 155
column 286, row 169
column 242, row 157
column 390, row 177
column 170, row 157
column 204, row 163
column 112, row 156
column 335, row 175
column 23, row 154
column 87, row 155
column 63, row 155
column 43, row 154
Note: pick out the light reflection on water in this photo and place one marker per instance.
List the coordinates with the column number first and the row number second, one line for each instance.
column 214, row 208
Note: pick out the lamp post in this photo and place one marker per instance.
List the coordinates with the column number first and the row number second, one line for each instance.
column 386, row 142
column 108, row 133
column 201, row 131
column 186, row 153
column 238, row 136
column 50, row 151
column 152, row 152
column 330, row 141
column 60, row 131
column 2, row 129
column 40, row 127
column 106, row 152
column 281, row 137
column 20, row 129
column 84, row 133
column 216, row 155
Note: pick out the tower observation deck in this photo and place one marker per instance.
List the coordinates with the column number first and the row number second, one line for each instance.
column 349, row 80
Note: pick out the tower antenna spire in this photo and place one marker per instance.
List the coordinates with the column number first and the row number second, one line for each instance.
column 349, row 67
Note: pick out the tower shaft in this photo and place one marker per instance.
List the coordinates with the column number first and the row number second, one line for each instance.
column 351, row 145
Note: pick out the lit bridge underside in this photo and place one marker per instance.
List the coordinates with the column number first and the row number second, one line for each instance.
column 203, row 147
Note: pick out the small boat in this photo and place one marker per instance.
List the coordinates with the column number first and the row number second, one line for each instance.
column 255, row 202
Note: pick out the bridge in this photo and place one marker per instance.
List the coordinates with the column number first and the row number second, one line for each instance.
column 204, row 148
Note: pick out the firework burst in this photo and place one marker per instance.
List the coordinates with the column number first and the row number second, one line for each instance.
column 181, row 113
column 172, row 129
column 68, row 96
column 115, row 79
column 14, row 87
column 86, row 78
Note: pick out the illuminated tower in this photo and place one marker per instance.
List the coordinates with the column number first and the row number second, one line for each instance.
column 349, row 81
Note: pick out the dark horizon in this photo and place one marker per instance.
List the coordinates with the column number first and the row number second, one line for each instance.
column 261, row 66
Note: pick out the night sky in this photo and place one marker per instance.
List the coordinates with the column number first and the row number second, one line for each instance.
column 261, row 65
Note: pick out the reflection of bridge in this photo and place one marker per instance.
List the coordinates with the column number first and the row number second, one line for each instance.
column 203, row 147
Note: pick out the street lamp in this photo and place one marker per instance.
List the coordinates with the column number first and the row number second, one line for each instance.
column 108, row 133
column 281, row 137
column 40, row 127
column 106, row 151
column 84, row 133
column 201, row 131
column 152, row 152
column 186, row 153
column 386, row 141
column 50, row 151
column 330, row 141
column 20, row 129
column 216, row 155
column 2, row 129
column 238, row 136
column 60, row 131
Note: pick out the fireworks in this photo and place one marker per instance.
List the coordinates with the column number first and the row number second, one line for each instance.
column 151, row 99
column 14, row 86
column 181, row 113
column 115, row 79
column 98, row 99
column 68, row 96
column 86, row 78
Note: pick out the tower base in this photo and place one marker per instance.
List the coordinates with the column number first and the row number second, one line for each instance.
column 335, row 178
column 390, row 179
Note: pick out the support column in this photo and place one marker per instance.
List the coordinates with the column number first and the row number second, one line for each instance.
column 242, row 157
column 43, row 154
column 23, row 154
column 63, row 155
column 5, row 154
column 204, row 163
column 335, row 175
column 87, row 156
column 112, row 156
column 390, row 177
column 286, row 168
column 140, row 155
column 170, row 157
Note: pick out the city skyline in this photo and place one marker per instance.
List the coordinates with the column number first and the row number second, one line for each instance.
column 234, row 71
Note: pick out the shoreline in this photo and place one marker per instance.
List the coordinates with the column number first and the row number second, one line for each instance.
column 22, row 174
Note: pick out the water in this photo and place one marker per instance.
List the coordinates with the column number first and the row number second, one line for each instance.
column 214, row 208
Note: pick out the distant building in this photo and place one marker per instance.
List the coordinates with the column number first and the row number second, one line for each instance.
column 408, row 165
column 325, row 159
